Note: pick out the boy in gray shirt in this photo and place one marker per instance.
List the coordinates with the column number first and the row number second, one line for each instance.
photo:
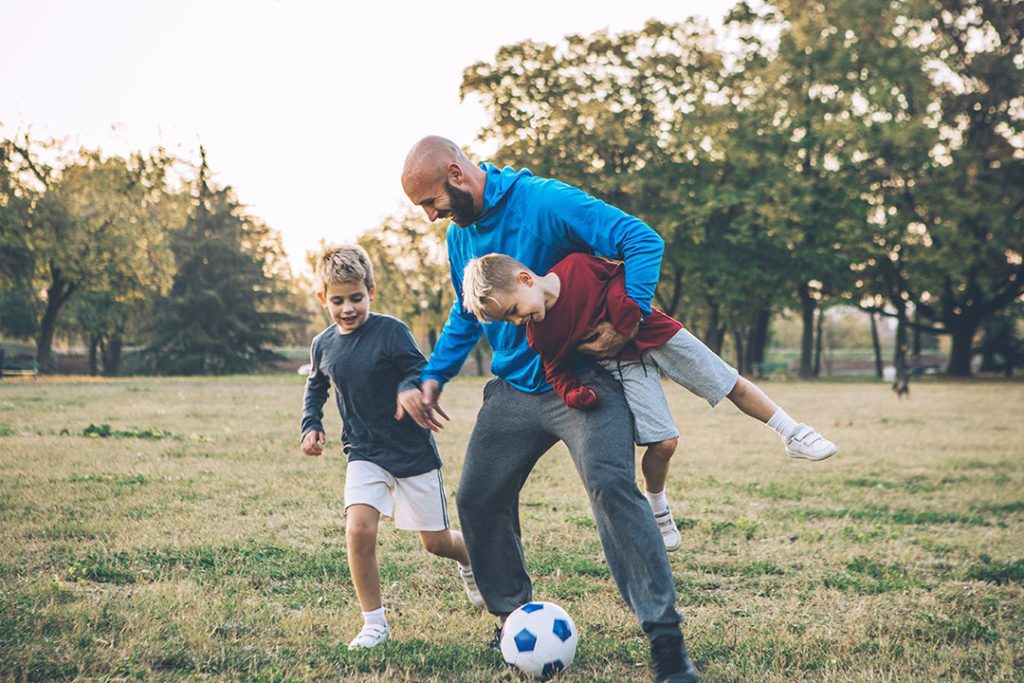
column 393, row 465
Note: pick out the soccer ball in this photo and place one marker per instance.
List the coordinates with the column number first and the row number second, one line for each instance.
column 539, row 639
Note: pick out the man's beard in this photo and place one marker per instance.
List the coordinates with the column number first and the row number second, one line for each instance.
column 460, row 204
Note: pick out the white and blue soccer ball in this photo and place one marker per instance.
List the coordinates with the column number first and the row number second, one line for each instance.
column 539, row 639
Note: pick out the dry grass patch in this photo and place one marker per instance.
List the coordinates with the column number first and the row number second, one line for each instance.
column 189, row 538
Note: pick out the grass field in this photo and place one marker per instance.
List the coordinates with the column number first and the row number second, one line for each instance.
column 189, row 539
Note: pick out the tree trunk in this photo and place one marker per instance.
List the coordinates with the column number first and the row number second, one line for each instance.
column 901, row 385
column 112, row 356
column 478, row 355
column 758, row 338
column 876, row 343
column 742, row 359
column 817, row 342
column 432, row 338
column 807, row 307
column 715, row 336
column 963, row 345
column 94, row 342
column 56, row 295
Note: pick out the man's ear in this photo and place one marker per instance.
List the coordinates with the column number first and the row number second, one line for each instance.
column 453, row 172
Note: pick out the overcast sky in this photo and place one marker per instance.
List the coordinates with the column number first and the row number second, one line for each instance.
column 306, row 108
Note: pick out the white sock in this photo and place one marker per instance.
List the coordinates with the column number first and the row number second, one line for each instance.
column 375, row 617
column 783, row 423
column 658, row 501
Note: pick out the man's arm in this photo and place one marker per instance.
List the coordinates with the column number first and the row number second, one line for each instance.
column 461, row 330
column 403, row 351
column 591, row 223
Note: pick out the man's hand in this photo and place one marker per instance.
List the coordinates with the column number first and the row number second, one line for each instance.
column 422, row 406
column 313, row 443
column 604, row 341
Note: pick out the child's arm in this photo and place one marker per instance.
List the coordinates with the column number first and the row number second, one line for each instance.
column 556, row 370
column 623, row 312
column 568, row 386
column 313, row 399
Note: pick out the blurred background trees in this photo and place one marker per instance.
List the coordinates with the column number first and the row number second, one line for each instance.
column 798, row 159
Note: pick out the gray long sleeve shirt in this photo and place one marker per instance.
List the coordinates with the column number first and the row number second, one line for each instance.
column 368, row 368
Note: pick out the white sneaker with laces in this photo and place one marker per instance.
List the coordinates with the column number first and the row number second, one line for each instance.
column 472, row 591
column 372, row 635
column 808, row 444
column 669, row 531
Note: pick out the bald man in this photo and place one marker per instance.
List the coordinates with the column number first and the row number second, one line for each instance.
column 539, row 222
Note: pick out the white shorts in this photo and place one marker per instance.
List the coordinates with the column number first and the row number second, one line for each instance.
column 417, row 503
column 685, row 360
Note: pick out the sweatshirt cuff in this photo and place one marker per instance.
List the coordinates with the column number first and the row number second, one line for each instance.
column 430, row 375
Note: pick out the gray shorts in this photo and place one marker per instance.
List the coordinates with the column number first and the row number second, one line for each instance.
column 685, row 360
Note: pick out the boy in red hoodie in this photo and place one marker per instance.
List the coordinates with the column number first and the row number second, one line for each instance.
column 560, row 308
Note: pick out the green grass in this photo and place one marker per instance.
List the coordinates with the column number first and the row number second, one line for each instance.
column 170, row 529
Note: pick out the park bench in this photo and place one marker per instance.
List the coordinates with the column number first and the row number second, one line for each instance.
column 20, row 368
column 766, row 369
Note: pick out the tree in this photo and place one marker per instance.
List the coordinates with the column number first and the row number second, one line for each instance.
column 87, row 228
column 411, row 266
column 225, row 308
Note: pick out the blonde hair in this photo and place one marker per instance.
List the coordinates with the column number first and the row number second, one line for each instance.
column 486, row 275
column 345, row 263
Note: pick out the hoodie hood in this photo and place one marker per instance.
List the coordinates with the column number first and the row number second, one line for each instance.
column 496, row 189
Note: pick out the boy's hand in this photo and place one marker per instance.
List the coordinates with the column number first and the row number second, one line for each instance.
column 604, row 341
column 313, row 443
column 582, row 398
column 421, row 404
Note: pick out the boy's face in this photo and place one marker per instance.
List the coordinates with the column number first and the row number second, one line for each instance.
column 348, row 304
column 523, row 304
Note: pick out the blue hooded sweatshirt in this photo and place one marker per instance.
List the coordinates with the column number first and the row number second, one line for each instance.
column 539, row 222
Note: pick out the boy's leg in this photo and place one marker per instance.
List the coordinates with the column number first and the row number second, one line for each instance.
column 507, row 440
column 602, row 450
column 422, row 506
column 690, row 363
column 367, row 496
column 361, row 536
column 653, row 428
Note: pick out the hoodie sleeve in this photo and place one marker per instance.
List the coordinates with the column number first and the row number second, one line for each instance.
column 569, row 214
column 460, row 333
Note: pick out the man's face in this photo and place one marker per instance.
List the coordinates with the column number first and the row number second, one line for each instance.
column 348, row 304
column 444, row 200
column 523, row 304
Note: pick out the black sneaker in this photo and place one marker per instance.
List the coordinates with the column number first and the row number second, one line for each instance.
column 495, row 643
column 671, row 661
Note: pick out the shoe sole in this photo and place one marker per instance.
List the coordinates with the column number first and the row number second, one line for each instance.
column 801, row 456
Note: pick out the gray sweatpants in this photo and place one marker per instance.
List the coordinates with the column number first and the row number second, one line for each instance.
column 513, row 429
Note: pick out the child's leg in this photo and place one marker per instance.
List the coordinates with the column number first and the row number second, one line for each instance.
column 420, row 505
column 749, row 398
column 655, row 462
column 447, row 543
column 367, row 496
column 690, row 363
column 361, row 536
column 653, row 427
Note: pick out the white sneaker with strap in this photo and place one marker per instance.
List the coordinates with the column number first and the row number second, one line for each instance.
column 809, row 444
column 669, row 531
column 469, row 582
column 372, row 635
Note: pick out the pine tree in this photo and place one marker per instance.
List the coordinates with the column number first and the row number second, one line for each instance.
column 224, row 310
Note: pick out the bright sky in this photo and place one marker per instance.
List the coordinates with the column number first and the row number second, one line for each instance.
column 307, row 109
